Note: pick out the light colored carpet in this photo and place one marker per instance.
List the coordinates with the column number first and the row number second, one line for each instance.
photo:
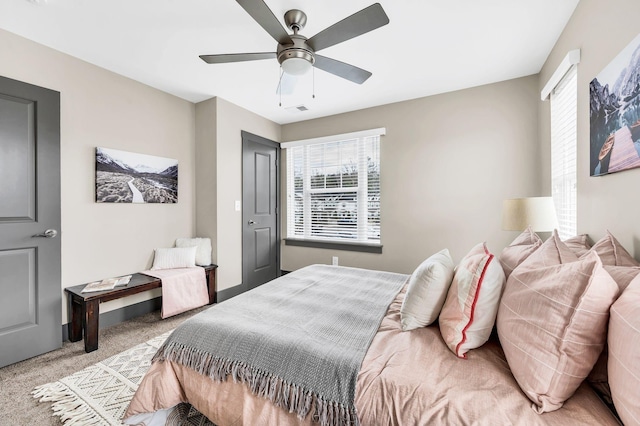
column 17, row 381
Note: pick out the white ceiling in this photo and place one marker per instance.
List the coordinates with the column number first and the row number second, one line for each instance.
column 429, row 46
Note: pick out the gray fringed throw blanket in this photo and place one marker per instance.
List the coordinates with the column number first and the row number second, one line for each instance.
column 298, row 341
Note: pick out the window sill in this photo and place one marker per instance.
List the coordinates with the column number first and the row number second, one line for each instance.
column 334, row 245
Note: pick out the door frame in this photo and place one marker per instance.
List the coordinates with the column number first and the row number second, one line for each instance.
column 264, row 141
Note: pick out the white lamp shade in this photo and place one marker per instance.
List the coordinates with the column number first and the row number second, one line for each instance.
column 537, row 212
column 296, row 66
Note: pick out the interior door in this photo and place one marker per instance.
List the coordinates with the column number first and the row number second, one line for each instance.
column 30, row 290
column 260, row 195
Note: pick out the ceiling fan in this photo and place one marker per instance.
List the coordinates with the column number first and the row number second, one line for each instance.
column 296, row 53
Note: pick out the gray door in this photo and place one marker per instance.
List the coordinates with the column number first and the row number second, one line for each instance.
column 30, row 291
column 260, row 199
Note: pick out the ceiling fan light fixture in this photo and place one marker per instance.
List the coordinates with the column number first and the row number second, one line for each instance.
column 296, row 58
column 296, row 66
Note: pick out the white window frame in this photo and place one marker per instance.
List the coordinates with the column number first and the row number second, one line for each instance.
column 563, row 91
column 361, row 191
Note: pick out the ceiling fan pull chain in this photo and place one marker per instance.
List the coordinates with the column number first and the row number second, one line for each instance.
column 280, row 86
column 313, row 76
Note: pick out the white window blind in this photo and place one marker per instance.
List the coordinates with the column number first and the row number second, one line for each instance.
column 564, row 99
column 333, row 191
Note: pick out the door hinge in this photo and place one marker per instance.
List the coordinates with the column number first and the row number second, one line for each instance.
column 277, row 163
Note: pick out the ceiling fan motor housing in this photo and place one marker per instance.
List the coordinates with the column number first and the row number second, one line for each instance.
column 299, row 49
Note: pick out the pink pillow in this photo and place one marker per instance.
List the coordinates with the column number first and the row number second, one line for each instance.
column 599, row 377
column 469, row 313
column 513, row 255
column 624, row 359
column 552, row 321
column 623, row 275
column 578, row 244
column 612, row 253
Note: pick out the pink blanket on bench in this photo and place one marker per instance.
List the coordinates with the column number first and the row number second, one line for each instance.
column 182, row 289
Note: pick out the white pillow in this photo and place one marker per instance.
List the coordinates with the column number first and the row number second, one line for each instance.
column 170, row 258
column 203, row 249
column 427, row 289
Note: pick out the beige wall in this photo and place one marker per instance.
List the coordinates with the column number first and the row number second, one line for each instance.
column 100, row 108
column 601, row 30
column 224, row 225
column 447, row 163
column 206, row 172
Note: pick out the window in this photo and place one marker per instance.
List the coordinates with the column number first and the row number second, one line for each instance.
column 564, row 99
column 333, row 189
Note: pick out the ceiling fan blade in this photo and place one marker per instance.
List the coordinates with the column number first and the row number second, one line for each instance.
column 287, row 84
column 349, row 72
column 236, row 57
column 261, row 13
column 359, row 23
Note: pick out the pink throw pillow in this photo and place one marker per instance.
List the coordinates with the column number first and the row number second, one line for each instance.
column 599, row 376
column 521, row 248
column 623, row 275
column 624, row 359
column 612, row 253
column 623, row 268
column 469, row 313
column 552, row 321
column 578, row 244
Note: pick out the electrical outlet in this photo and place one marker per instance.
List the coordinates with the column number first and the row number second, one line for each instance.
column 334, row 260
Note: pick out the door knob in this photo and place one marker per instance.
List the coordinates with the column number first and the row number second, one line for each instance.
column 252, row 222
column 49, row 233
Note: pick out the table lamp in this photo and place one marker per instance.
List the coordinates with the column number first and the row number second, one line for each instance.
column 537, row 212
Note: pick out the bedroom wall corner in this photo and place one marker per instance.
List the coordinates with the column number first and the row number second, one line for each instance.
column 601, row 30
column 102, row 109
column 206, row 172
column 447, row 163
column 230, row 121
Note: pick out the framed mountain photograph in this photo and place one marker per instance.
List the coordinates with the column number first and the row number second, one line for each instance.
column 615, row 113
column 128, row 177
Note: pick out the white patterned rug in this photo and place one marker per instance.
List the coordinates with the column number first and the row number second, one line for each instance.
column 100, row 394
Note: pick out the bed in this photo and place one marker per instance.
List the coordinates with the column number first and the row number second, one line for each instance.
column 403, row 378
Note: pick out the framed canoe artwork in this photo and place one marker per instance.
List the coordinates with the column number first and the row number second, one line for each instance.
column 128, row 177
column 615, row 114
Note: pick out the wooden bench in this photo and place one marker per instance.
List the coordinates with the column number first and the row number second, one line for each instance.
column 85, row 307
